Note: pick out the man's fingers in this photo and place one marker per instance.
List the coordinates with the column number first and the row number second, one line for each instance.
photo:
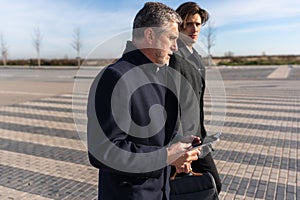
column 191, row 155
column 185, row 168
column 189, row 139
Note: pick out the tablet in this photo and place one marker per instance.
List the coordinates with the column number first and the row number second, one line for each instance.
column 207, row 140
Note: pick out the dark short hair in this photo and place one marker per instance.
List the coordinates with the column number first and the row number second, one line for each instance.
column 153, row 14
column 191, row 8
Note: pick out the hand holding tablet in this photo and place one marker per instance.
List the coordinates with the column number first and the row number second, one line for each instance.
column 206, row 141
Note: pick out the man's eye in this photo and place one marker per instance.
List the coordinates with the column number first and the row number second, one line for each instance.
column 192, row 23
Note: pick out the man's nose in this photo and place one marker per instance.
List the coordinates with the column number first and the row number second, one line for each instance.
column 194, row 28
column 174, row 46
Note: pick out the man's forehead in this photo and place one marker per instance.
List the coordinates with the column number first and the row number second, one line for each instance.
column 172, row 32
column 193, row 18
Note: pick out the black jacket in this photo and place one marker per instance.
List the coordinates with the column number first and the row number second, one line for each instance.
column 124, row 141
column 192, row 69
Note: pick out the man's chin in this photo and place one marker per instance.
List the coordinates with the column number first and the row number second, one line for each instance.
column 167, row 59
column 163, row 62
column 191, row 41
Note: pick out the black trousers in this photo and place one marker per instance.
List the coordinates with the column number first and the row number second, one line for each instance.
column 207, row 164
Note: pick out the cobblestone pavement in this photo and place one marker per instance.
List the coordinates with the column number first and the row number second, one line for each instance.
column 42, row 156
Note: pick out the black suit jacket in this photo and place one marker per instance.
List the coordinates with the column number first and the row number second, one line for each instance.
column 124, row 141
column 192, row 69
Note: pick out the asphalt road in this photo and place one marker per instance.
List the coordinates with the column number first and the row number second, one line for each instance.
column 23, row 84
column 19, row 84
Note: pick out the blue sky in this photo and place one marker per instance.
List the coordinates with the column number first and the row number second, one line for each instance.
column 242, row 27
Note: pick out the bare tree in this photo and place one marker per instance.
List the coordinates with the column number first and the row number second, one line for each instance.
column 4, row 50
column 37, row 39
column 77, row 43
column 209, row 39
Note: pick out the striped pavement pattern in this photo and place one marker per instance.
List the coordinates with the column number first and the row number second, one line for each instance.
column 42, row 156
column 258, row 154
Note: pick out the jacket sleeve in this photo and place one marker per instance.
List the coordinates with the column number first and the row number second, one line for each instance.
column 109, row 146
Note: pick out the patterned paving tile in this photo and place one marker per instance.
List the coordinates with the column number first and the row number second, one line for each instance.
column 42, row 156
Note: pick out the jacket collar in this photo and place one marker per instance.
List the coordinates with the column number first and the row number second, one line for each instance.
column 134, row 56
column 183, row 49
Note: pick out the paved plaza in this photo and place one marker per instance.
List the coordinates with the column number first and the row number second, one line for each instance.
column 42, row 156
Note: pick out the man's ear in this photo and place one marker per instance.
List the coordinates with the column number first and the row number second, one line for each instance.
column 149, row 35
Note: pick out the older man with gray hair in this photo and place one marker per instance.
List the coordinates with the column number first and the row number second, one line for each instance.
column 131, row 123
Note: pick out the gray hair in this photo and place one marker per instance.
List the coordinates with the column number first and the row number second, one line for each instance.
column 153, row 14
